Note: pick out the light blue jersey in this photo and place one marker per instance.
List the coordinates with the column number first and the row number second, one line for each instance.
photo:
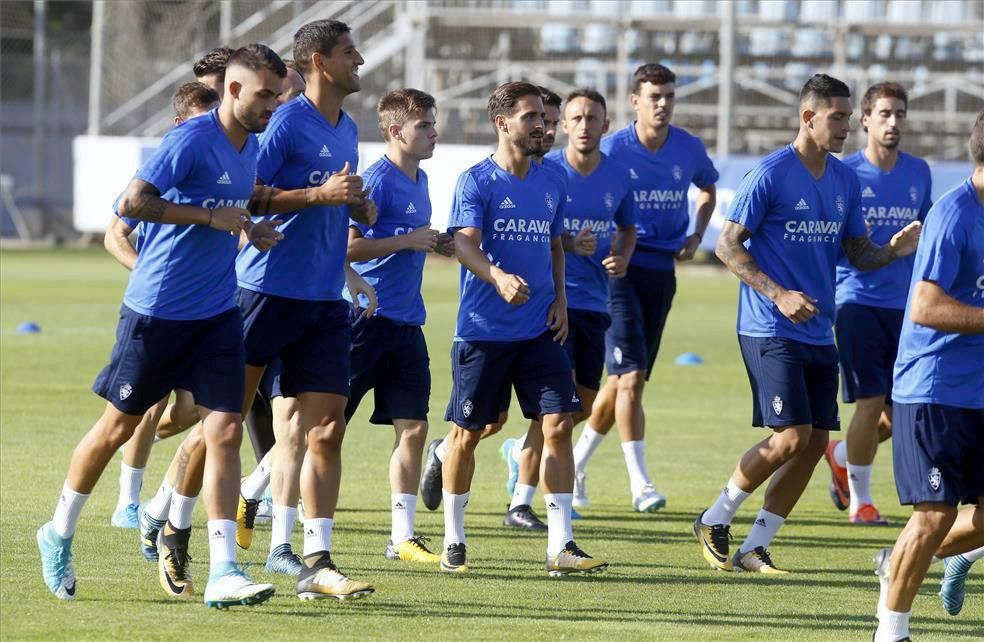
column 797, row 224
column 598, row 202
column 660, row 181
column 187, row 272
column 403, row 206
column 943, row 367
column 518, row 219
column 299, row 149
column 889, row 202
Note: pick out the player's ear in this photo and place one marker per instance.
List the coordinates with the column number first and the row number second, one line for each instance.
column 177, row 121
column 317, row 63
column 807, row 116
column 395, row 131
column 604, row 128
column 235, row 87
column 500, row 124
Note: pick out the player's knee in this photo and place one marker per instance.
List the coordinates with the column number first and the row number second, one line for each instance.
column 932, row 518
column 490, row 429
column 225, row 433
column 327, row 436
column 793, row 441
column 461, row 439
column 413, row 435
column 557, row 427
column 117, row 431
column 632, row 383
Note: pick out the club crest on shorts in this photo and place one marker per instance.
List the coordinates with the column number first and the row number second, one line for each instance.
column 617, row 354
column 466, row 408
column 777, row 404
column 125, row 391
column 935, row 478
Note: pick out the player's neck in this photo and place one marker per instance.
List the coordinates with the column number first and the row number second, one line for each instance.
column 232, row 128
column 512, row 160
column 652, row 138
column 884, row 158
column 583, row 163
column 327, row 99
column 813, row 157
column 404, row 162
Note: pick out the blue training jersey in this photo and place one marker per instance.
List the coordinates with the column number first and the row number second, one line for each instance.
column 943, row 367
column 187, row 272
column 518, row 219
column 660, row 181
column 299, row 149
column 598, row 201
column 403, row 206
column 889, row 202
column 797, row 224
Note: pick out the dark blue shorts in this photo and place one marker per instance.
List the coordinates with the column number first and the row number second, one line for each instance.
column 867, row 342
column 938, row 453
column 639, row 304
column 391, row 360
column 586, row 345
column 793, row 383
column 313, row 340
column 154, row 356
column 483, row 371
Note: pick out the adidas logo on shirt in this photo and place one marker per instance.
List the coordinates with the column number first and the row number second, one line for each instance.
column 801, row 205
column 868, row 192
column 411, row 209
column 224, row 179
column 632, row 173
column 507, row 204
column 324, row 152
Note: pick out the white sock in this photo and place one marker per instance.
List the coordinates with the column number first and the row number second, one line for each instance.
column 559, row 530
column 454, row 517
column 221, row 542
column 727, row 504
column 257, row 481
column 635, row 463
column 67, row 511
column 404, row 509
column 131, row 480
column 763, row 531
column 892, row 626
column 859, row 481
column 974, row 555
column 283, row 523
column 181, row 510
column 883, row 582
column 523, row 496
column 317, row 535
column 442, row 450
column 589, row 441
column 517, row 448
column 158, row 507
column 840, row 453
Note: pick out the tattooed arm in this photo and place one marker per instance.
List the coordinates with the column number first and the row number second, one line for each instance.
column 865, row 255
column 142, row 201
column 795, row 306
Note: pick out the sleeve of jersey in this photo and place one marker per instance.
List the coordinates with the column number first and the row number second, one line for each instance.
column 751, row 202
column 625, row 215
column 706, row 174
column 940, row 247
column 171, row 163
column 468, row 209
column 557, row 225
column 275, row 147
column 379, row 196
column 854, row 219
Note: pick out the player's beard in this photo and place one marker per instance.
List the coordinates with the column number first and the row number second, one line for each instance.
column 530, row 146
column 253, row 123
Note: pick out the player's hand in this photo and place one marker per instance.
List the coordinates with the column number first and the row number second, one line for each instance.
column 796, row 306
column 906, row 240
column 513, row 289
column 689, row 249
column 263, row 235
column 358, row 288
column 585, row 242
column 615, row 265
column 342, row 188
column 365, row 212
column 229, row 219
column 557, row 320
column 422, row 239
column 445, row 244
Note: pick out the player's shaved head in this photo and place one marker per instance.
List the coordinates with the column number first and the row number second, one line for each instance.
column 976, row 143
column 255, row 57
column 820, row 90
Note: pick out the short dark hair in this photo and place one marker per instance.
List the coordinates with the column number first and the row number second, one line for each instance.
column 213, row 63
column 503, row 100
column 291, row 64
column 398, row 107
column 549, row 98
column 255, row 57
column 976, row 143
column 883, row 90
column 591, row 94
column 653, row 73
column 823, row 87
column 192, row 96
column 319, row 36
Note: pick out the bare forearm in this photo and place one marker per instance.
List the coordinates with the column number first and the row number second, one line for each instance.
column 933, row 308
column 119, row 248
column 706, row 201
column 557, row 266
column 471, row 256
column 363, row 249
column 270, row 200
column 865, row 255
column 144, row 206
column 625, row 242
column 567, row 241
column 740, row 262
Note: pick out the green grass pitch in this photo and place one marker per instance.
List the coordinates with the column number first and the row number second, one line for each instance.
column 657, row 586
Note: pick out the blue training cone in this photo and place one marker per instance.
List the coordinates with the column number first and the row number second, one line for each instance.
column 28, row 327
column 689, row 359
